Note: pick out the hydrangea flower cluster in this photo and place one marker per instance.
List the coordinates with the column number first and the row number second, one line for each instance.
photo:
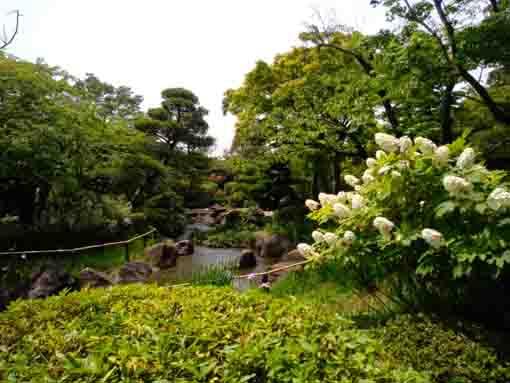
column 361, row 217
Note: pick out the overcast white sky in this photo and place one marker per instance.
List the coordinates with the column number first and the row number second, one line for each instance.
column 205, row 46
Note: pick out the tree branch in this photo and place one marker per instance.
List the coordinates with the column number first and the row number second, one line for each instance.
column 16, row 30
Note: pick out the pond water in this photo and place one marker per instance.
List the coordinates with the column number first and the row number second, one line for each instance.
column 205, row 257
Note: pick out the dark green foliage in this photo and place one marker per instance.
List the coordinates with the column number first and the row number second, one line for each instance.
column 450, row 356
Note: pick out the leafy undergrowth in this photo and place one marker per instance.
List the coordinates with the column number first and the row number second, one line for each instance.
column 450, row 356
column 223, row 237
column 204, row 334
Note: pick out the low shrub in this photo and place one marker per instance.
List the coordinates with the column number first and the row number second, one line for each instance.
column 195, row 334
column 224, row 237
column 448, row 355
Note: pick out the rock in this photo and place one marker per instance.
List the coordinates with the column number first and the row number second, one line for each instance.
column 89, row 277
column 247, row 259
column 184, row 248
column 49, row 282
column 203, row 216
column 273, row 277
column 133, row 272
column 270, row 245
column 162, row 255
column 293, row 256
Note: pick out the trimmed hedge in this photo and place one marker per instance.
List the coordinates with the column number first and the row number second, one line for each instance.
column 143, row 333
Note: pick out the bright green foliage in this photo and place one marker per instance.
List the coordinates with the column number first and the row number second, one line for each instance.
column 151, row 334
column 461, row 261
column 58, row 157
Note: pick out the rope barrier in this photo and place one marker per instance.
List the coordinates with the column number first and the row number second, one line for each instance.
column 252, row 275
column 78, row 248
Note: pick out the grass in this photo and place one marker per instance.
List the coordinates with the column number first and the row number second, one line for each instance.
column 333, row 288
column 221, row 274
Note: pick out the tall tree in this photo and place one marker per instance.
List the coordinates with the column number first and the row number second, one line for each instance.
column 468, row 33
column 178, row 124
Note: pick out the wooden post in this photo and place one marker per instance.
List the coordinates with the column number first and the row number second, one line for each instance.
column 127, row 252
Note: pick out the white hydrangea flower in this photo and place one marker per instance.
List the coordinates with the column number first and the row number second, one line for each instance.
column 342, row 197
column 349, row 237
column 499, row 199
column 467, row 159
column 403, row 164
column 341, row 210
column 368, row 176
column 387, row 142
column 327, row 199
column 317, row 236
column 441, row 156
column 312, row 205
column 371, row 162
column 385, row 169
column 433, row 237
column 380, row 154
column 457, row 185
column 357, row 201
column 384, row 225
column 304, row 249
column 396, row 174
column 331, row 238
column 426, row 146
column 351, row 180
column 405, row 143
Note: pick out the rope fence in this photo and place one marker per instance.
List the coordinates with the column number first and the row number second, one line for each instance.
column 127, row 242
column 78, row 249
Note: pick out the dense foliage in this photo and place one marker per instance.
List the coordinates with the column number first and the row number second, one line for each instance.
column 129, row 334
column 431, row 215
column 79, row 155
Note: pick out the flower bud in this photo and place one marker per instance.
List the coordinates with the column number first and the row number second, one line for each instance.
column 341, row 210
column 317, row 236
column 331, row 238
column 349, row 237
column 371, row 162
column 387, row 142
column 467, row 159
column 441, row 156
column 312, row 205
column 351, row 180
column 405, row 143
column 433, row 238
column 426, row 146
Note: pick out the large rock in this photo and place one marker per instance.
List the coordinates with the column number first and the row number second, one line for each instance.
column 89, row 277
column 270, row 245
column 184, row 248
column 133, row 272
column 162, row 255
column 293, row 256
column 247, row 259
column 50, row 281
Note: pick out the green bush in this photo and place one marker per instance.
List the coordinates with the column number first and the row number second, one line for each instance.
column 448, row 355
column 431, row 216
column 224, row 237
column 198, row 334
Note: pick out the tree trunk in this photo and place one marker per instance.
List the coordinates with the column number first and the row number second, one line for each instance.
column 445, row 113
column 337, row 170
